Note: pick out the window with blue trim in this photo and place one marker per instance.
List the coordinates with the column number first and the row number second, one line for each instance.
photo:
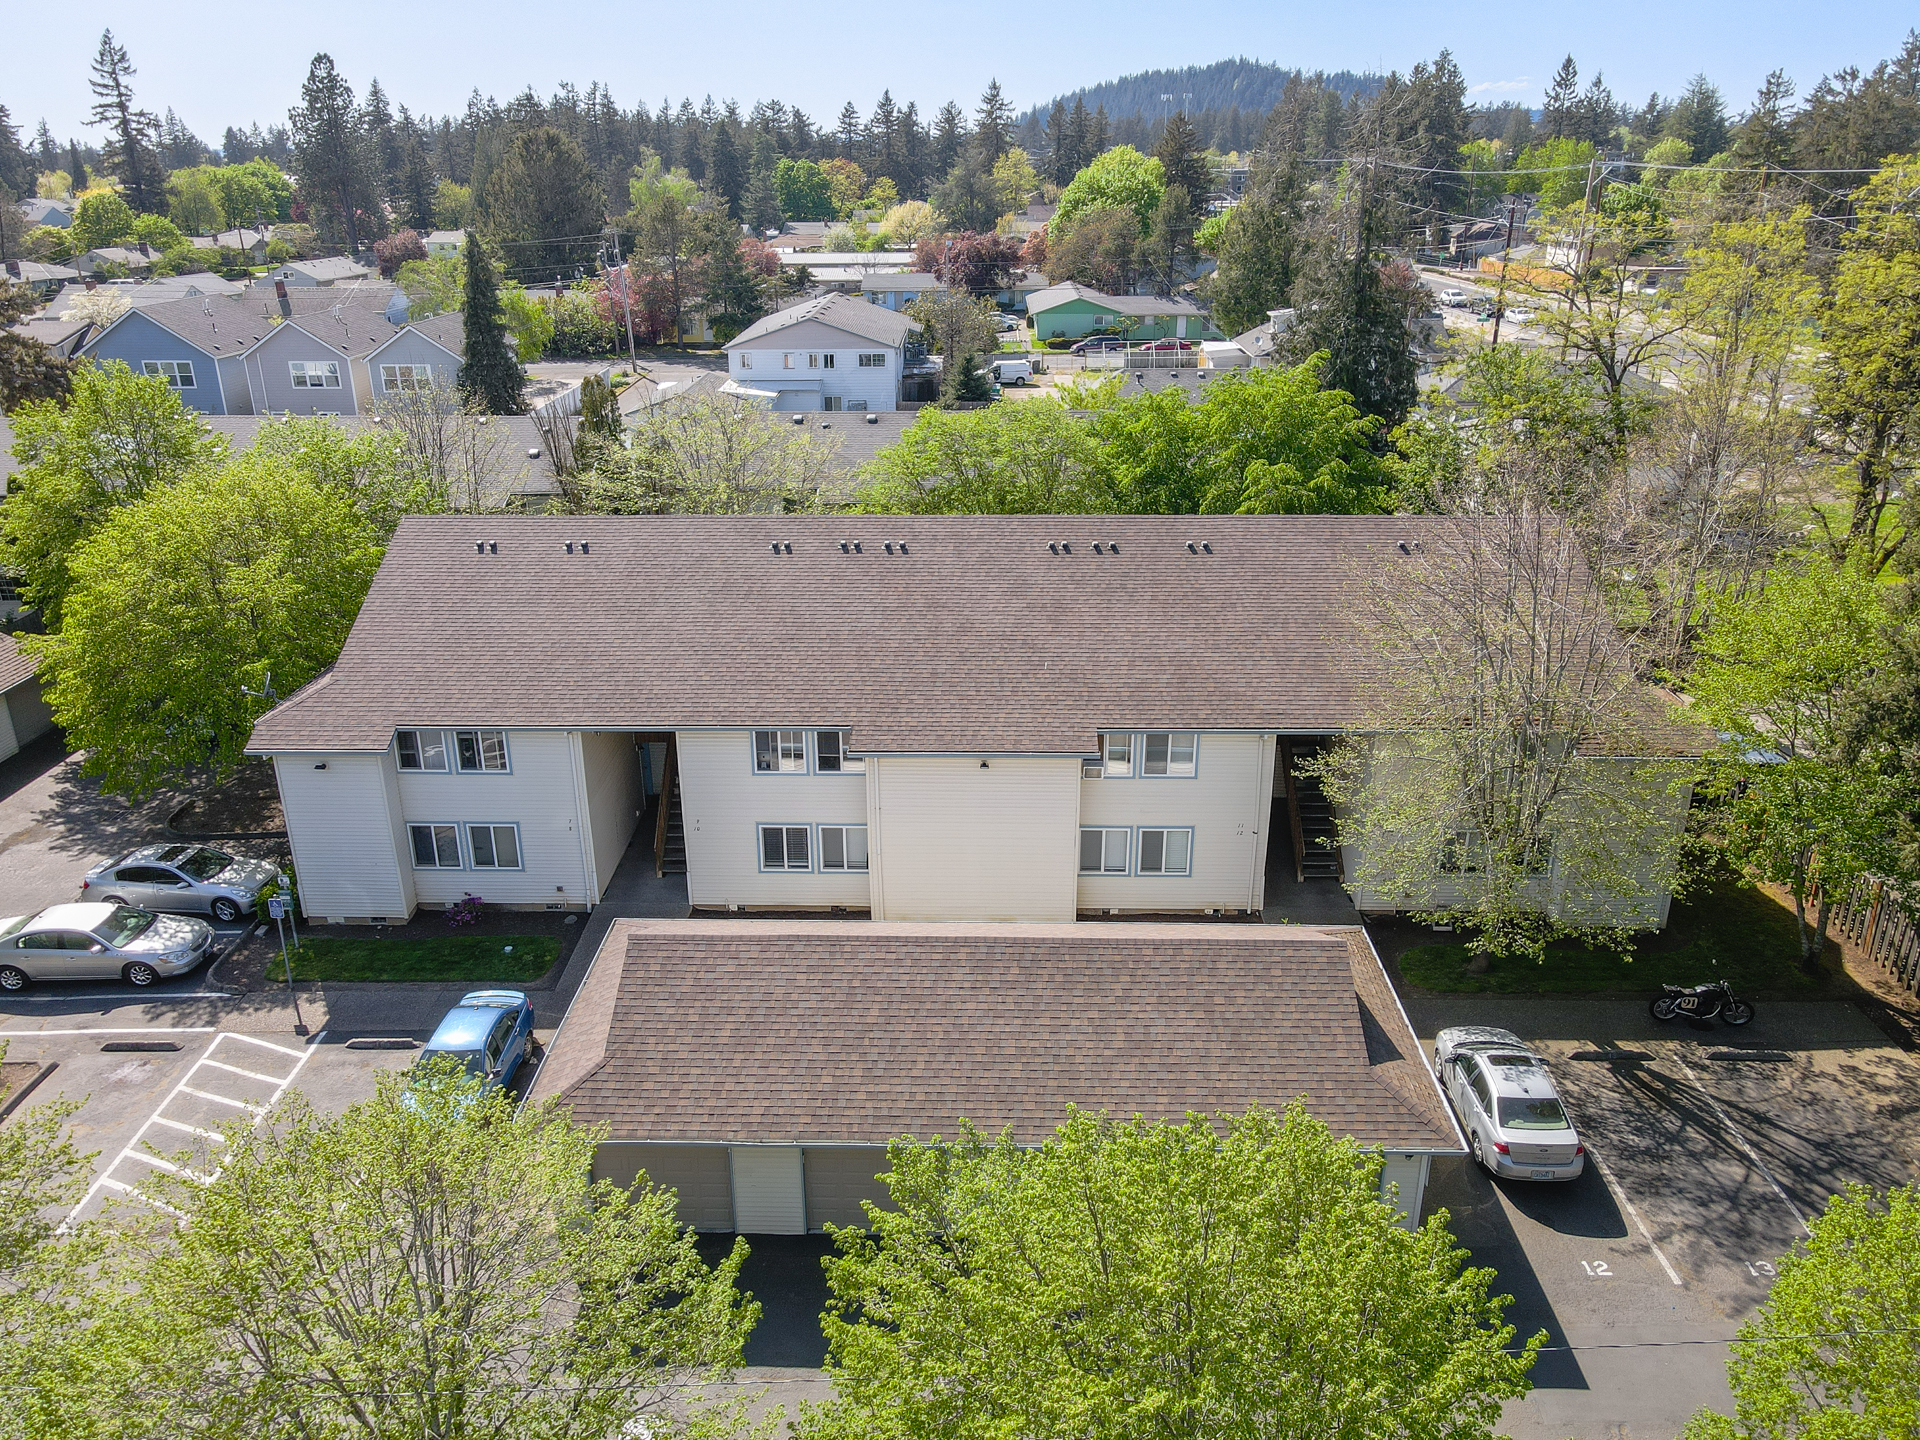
column 785, row 847
column 1166, row 852
column 1104, row 851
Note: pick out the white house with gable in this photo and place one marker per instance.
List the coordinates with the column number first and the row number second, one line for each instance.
column 833, row 353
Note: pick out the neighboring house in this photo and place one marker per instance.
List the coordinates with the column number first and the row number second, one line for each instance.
column 196, row 345
column 135, row 261
column 254, row 242
column 333, row 270
column 444, row 242
column 24, row 716
column 39, row 278
column 847, row 271
column 760, row 1068
column 897, row 291
column 417, row 356
column 983, row 718
column 61, row 336
column 1259, row 343
column 1071, row 310
column 831, row 353
column 1034, row 217
column 57, row 213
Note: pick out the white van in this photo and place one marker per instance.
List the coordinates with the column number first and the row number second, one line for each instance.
column 1013, row 372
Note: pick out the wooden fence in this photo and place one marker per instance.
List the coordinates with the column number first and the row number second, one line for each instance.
column 1875, row 918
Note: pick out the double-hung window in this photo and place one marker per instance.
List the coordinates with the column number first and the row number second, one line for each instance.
column 494, row 847
column 1165, row 753
column 832, row 755
column 873, row 360
column 1104, row 852
column 746, row 359
column 830, row 402
column 177, row 373
column 843, row 848
column 784, row 847
column 480, row 751
column 1166, row 852
column 435, row 847
column 406, row 377
column 787, row 361
column 315, row 374
column 422, row 749
column 780, row 752
column 1460, row 855
column 1116, row 755
column 826, row 361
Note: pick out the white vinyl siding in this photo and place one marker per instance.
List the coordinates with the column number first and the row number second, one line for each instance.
column 953, row 841
column 724, row 801
column 699, row 1176
column 1403, row 1183
column 769, row 1190
column 540, row 797
column 345, row 827
column 1224, row 807
column 610, row 780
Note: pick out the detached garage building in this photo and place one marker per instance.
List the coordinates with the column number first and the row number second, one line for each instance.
column 761, row 1067
column 24, row 714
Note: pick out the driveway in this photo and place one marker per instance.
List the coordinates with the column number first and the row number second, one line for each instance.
column 1712, row 1149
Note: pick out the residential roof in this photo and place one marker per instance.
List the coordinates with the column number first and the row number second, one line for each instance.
column 332, row 267
column 977, row 640
column 16, row 666
column 34, row 272
column 859, row 318
column 1069, row 290
column 232, row 324
column 859, row 1033
column 853, row 259
column 242, row 239
column 119, row 255
column 910, row 280
column 446, row 237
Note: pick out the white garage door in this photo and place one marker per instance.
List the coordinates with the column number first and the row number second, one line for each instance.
column 699, row 1173
column 769, row 1193
column 839, row 1177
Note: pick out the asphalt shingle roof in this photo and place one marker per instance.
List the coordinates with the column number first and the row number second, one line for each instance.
column 861, row 318
column 977, row 640
column 1068, row 290
column 16, row 666
column 858, row 1033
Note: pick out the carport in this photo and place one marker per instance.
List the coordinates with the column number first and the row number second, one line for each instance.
column 761, row 1067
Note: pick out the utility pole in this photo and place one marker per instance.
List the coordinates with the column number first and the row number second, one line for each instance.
column 1500, row 293
column 626, row 296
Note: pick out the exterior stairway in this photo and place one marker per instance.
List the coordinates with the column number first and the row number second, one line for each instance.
column 1319, row 859
column 670, row 842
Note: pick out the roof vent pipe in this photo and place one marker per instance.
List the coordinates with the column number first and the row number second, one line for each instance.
column 1192, row 549
column 889, row 547
column 1206, row 546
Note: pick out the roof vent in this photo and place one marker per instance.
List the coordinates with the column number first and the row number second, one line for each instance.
column 486, row 547
column 873, row 419
column 903, row 547
column 1206, row 546
column 1053, row 547
column 889, row 547
column 583, row 547
column 1409, row 547
column 569, row 547
column 799, row 419
column 1113, row 547
column 533, row 452
column 1066, row 547
column 1192, row 549
column 844, row 547
column 1098, row 548
column 779, row 547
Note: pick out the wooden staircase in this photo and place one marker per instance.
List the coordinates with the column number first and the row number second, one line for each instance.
column 670, row 830
column 1316, row 854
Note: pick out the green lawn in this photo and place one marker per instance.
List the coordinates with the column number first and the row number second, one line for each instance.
column 444, row 957
column 1740, row 929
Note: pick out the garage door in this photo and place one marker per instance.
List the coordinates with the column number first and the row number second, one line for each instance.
column 839, row 1177
column 697, row 1172
column 768, row 1195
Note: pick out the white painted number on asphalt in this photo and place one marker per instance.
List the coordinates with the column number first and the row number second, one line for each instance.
column 1597, row 1269
column 1760, row 1269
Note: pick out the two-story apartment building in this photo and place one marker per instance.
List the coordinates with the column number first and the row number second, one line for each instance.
column 830, row 353
column 989, row 718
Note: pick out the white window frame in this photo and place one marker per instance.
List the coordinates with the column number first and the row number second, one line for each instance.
column 1117, row 751
column 480, row 740
column 787, row 834
column 813, row 360
column 787, row 360
column 303, row 378
column 1460, row 853
column 1164, row 831
column 177, row 373
column 1110, row 837
column 746, row 359
column 406, row 378
column 421, row 751
column 434, row 829
column 845, row 834
column 830, row 403
column 826, row 360
column 845, row 762
column 1174, row 769
column 873, row 359
column 780, row 743
column 493, row 829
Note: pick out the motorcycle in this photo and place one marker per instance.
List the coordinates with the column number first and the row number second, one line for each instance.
column 1701, row 1002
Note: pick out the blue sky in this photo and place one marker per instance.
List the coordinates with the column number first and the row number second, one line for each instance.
column 218, row 67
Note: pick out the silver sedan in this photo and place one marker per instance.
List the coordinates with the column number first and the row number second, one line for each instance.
column 92, row 941
column 1507, row 1104
column 194, row 879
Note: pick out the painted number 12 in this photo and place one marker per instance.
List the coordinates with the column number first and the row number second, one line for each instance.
column 1597, row 1269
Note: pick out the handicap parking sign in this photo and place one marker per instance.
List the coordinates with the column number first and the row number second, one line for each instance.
column 276, row 908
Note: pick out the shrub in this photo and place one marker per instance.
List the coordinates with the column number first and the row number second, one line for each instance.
column 462, row 912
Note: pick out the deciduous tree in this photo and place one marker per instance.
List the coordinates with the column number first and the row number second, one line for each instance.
column 1122, row 179
column 707, row 456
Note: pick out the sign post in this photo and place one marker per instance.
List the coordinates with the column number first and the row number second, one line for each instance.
column 277, row 909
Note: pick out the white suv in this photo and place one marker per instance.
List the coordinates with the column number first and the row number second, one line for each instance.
column 1453, row 299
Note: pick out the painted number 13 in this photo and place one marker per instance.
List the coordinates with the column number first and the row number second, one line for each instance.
column 1761, row 1269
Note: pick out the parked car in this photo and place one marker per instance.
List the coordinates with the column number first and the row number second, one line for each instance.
column 92, row 940
column 1013, row 372
column 1516, row 1126
column 1098, row 345
column 193, row 879
column 1167, row 345
column 1520, row 316
column 490, row 1032
column 1453, row 299
column 1010, row 322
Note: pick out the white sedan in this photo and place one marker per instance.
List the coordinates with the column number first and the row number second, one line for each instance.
column 1515, row 1124
column 90, row 941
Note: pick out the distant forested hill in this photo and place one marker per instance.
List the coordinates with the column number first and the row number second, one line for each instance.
column 1250, row 85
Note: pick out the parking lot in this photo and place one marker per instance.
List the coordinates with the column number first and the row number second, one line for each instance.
column 1712, row 1148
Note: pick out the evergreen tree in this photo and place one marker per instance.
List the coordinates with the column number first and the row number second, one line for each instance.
column 949, row 138
column 180, row 148
column 1057, row 138
column 543, row 199
column 1258, row 259
column 383, row 145
column 1519, row 132
column 850, row 133
column 1764, row 135
column 762, row 201
column 131, row 132
column 76, row 167
column 1600, row 115
column 915, row 152
column 967, row 382
column 1098, row 142
column 46, row 150
column 490, row 375
column 726, row 175
column 17, row 169
column 1700, row 118
column 235, row 148
column 418, row 187
column 328, row 150
column 993, row 124
column 1179, row 155
column 733, row 296
column 1560, row 109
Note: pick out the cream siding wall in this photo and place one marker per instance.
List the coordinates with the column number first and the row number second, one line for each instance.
column 9, row 740
column 697, row 1174
column 1225, row 803
column 1403, row 1184
column 724, row 802
column 769, row 1190
column 953, row 841
column 838, row 1178
column 610, row 765
column 343, row 824
column 539, row 793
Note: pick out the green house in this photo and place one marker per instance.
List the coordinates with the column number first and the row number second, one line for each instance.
column 1070, row 311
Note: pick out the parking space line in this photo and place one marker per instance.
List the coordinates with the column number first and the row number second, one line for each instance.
column 266, row 1044
column 1627, row 1204
column 213, row 1135
column 223, row 1099
column 236, row 1070
column 129, row 1030
column 1752, row 1154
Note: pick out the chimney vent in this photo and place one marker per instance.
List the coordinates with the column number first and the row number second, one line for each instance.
column 280, row 293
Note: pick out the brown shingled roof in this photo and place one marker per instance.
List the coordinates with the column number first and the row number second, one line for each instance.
column 16, row 666
column 855, row 1032
column 977, row 640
